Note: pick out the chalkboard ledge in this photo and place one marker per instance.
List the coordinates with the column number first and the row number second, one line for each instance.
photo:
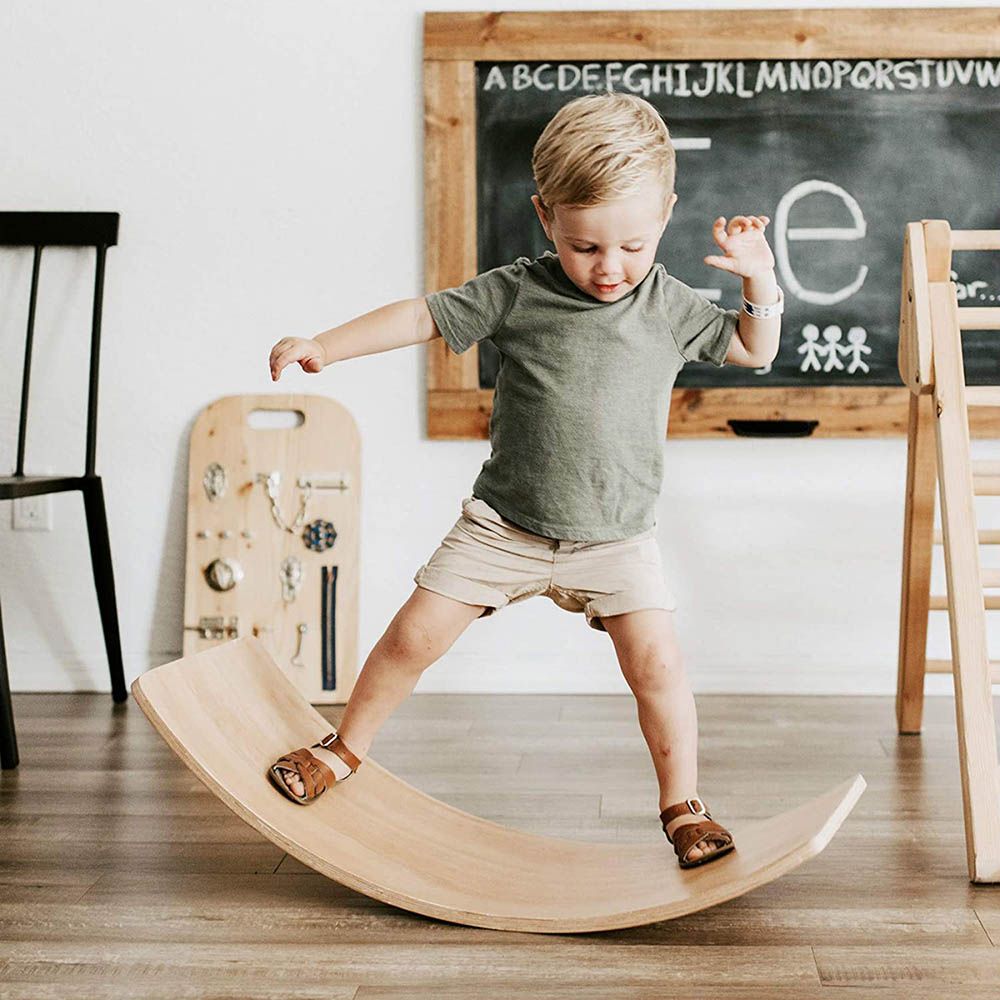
column 459, row 414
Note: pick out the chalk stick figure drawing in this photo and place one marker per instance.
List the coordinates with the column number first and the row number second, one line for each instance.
column 856, row 337
column 833, row 350
column 810, row 348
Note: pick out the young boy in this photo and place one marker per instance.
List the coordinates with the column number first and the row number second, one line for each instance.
column 590, row 338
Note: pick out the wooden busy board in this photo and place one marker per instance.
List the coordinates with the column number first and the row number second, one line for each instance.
column 245, row 573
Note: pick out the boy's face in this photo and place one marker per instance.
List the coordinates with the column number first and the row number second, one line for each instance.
column 607, row 249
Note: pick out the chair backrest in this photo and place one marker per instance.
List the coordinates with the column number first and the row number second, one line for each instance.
column 75, row 229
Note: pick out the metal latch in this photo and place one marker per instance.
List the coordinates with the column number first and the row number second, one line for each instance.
column 216, row 628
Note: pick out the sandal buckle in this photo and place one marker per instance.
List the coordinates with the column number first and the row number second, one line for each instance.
column 700, row 811
column 328, row 739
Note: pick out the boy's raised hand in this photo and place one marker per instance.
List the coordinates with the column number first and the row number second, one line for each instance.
column 309, row 354
column 746, row 249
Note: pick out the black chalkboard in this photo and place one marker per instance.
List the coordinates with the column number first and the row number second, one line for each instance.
column 853, row 149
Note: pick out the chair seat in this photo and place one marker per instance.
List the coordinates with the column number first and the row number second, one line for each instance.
column 12, row 487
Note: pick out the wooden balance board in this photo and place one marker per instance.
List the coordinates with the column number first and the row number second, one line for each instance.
column 230, row 712
column 307, row 615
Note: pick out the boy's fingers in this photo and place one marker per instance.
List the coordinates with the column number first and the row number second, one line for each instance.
column 742, row 223
column 293, row 352
column 279, row 346
column 288, row 355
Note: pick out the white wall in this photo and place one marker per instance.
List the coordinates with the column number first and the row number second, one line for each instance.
column 266, row 160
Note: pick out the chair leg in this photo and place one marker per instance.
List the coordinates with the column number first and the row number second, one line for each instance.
column 104, row 581
column 8, row 738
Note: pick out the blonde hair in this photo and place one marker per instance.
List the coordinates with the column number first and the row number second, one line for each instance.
column 601, row 147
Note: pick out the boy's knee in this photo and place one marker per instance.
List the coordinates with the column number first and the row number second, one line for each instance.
column 653, row 671
column 410, row 640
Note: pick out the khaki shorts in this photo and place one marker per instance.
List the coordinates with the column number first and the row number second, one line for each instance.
column 487, row 560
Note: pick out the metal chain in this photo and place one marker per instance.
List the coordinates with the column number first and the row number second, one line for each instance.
column 271, row 483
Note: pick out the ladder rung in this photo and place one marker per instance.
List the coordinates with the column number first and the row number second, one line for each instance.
column 939, row 602
column 975, row 239
column 990, row 578
column 945, row 667
column 978, row 318
column 986, row 536
column 982, row 395
column 986, row 486
column 982, row 467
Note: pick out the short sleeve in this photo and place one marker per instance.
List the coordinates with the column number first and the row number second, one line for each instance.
column 701, row 329
column 474, row 311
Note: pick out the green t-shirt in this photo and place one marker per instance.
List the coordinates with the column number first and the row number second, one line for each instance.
column 583, row 391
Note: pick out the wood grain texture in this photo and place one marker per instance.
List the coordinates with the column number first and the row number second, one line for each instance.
column 705, row 413
column 229, row 712
column 711, row 34
column 450, row 256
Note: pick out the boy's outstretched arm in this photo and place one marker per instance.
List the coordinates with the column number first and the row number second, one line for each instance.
column 397, row 324
column 747, row 254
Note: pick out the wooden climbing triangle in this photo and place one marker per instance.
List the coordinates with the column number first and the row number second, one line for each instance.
column 941, row 412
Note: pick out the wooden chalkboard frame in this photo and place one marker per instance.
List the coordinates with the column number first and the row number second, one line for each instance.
column 454, row 41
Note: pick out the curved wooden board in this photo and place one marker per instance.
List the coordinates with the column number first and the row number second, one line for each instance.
column 229, row 712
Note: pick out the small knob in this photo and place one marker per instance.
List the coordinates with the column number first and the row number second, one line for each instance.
column 223, row 574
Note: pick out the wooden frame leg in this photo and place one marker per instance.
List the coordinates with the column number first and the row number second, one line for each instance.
column 977, row 742
column 918, row 540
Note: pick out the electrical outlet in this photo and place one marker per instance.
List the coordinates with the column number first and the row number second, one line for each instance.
column 33, row 513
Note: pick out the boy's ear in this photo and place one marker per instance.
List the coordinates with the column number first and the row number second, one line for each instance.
column 670, row 210
column 542, row 217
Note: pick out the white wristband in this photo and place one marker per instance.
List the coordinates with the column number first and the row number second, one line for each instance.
column 765, row 312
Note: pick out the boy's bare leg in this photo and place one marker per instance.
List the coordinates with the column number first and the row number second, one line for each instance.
column 650, row 660
column 422, row 630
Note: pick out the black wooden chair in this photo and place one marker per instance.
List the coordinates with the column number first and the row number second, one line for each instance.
column 77, row 229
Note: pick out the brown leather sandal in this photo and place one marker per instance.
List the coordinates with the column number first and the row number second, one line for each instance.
column 316, row 776
column 689, row 835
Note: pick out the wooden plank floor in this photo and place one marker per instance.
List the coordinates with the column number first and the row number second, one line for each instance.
column 121, row 876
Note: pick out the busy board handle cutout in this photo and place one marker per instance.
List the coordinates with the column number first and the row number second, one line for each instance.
column 275, row 419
